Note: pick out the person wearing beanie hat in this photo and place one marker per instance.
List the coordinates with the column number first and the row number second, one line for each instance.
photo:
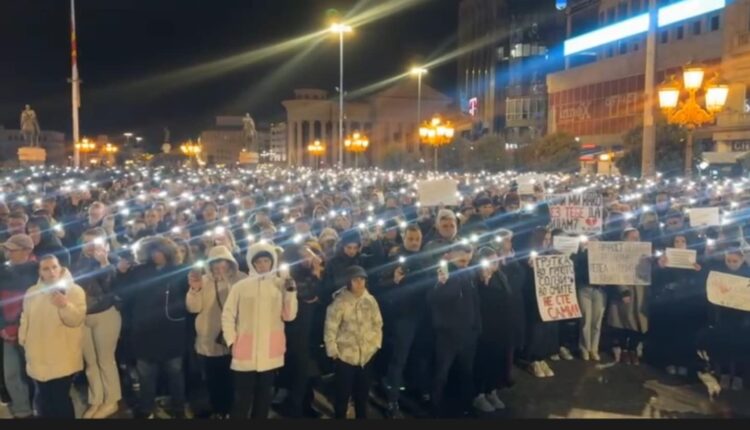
column 353, row 334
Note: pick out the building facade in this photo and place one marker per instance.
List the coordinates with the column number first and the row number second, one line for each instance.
column 388, row 118
column 507, row 50
column 52, row 141
column 223, row 144
column 600, row 96
column 279, row 138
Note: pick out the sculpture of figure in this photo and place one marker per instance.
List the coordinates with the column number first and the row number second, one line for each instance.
column 249, row 133
column 30, row 127
column 167, row 134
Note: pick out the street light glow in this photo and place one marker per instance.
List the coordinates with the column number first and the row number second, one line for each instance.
column 128, row 135
column 339, row 28
column 418, row 71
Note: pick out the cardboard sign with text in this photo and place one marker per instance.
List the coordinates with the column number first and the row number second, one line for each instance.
column 577, row 213
column 729, row 291
column 620, row 263
column 556, row 288
column 704, row 217
column 681, row 258
column 566, row 244
column 438, row 192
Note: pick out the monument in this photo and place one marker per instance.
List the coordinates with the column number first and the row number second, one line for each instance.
column 249, row 154
column 31, row 152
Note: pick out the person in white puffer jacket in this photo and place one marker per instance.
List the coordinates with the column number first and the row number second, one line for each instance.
column 353, row 334
column 207, row 295
column 51, row 333
column 253, row 325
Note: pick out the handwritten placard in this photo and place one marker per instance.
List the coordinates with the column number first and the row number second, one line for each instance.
column 566, row 244
column 681, row 258
column 577, row 213
column 729, row 291
column 556, row 288
column 620, row 263
column 704, row 217
column 438, row 192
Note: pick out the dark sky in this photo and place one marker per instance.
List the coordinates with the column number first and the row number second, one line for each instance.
column 129, row 49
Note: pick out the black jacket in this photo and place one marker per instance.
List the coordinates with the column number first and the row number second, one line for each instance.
column 409, row 297
column 14, row 281
column 455, row 305
column 154, row 310
column 496, row 306
column 97, row 282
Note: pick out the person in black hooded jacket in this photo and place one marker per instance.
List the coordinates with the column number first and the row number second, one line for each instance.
column 454, row 305
column 350, row 251
column 45, row 241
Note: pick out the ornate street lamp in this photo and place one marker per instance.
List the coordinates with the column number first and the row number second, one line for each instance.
column 436, row 133
column 316, row 150
column 110, row 150
column 85, row 147
column 689, row 113
column 191, row 150
column 356, row 144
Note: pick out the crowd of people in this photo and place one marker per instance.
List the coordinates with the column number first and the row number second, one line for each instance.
column 252, row 284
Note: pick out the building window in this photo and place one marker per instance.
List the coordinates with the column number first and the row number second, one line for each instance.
column 622, row 10
column 680, row 33
column 610, row 51
column 664, row 36
column 635, row 7
column 697, row 28
column 714, row 24
column 610, row 15
column 623, row 49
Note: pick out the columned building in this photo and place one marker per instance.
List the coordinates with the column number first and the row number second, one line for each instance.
column 387, row 118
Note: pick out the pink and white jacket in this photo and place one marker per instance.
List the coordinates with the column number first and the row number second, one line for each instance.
column 254, row 315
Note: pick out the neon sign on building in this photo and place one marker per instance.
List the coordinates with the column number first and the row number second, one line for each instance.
column 667, row 15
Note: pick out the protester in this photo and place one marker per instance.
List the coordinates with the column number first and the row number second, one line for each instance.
column 353, row 334
column 45, row 241
column 51, row 333
column 253, row 326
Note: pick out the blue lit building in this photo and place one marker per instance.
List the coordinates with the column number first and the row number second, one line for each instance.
column 600, row 94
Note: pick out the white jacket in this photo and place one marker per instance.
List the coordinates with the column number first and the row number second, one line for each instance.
column 254, row 315
column 204, row 303
column 353, row 328
column 53, row 337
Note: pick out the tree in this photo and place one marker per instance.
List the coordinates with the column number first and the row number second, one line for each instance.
column 554, row 152
column 487, row 153
column 670, row 150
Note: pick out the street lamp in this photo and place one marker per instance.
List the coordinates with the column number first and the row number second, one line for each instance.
column 138, row 140
column 85, row 146
column 418, row 72
column 356, row 144
column 110, row 150
column 191, row 149
column 436, row 133
column 316, row 150
column 128, row 135
column 689, row 113
column 341, row 29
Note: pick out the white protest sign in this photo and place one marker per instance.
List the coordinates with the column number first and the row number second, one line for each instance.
column 556, row 288
column 704, row 217
column 566, row 244
column 577, row 213
column 681, row 258
column 438, row 192
column 528, row 181
column 620, row 263
column 729, row 291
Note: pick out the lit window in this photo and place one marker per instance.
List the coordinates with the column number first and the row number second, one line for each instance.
column 680, row 33
column 715, row 23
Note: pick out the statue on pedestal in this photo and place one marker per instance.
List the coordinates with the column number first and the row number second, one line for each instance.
column 30, row 127
column 249, row 133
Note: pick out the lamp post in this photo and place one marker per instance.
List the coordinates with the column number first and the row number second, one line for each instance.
column 110, row 150
column 418, row 72
column 316, row 150
column 689, row 113
column 85, row 147
column 436, row 133
column 128, row 136
column 356, row 144
column 191, row 149
column 341, row 29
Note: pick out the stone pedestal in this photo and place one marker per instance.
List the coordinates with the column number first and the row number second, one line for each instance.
column 30, row 156
column 248, row 158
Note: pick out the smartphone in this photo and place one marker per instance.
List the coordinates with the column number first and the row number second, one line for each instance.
column 284, row 271
column 443, row 268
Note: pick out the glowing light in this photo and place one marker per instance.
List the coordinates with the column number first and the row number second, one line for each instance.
column 611, row 33
column 687, row 9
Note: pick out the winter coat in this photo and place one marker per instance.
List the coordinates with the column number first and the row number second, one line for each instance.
column 154, row 310
column 96, row 281
column 455, row 305
column 408, row 299
column 254, row 315
column 14, row 281
column 516, row 277
column 52, row 337
column 371, row 257
column 496, row 309
column 353, row 328
column 209, row 309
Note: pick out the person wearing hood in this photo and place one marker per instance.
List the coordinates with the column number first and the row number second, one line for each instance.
column 16, row 276
column 328, row 239
column 207, row 295
column 45, row 241
column 481, row 218
column 253, row 326
column 648, row 226
column 51, row 334
column 349, row 252
column 154, row 308
column 456, row 317
column 353, row 334
column 95, row 274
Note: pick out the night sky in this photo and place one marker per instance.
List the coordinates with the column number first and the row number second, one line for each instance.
column 130, row 49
